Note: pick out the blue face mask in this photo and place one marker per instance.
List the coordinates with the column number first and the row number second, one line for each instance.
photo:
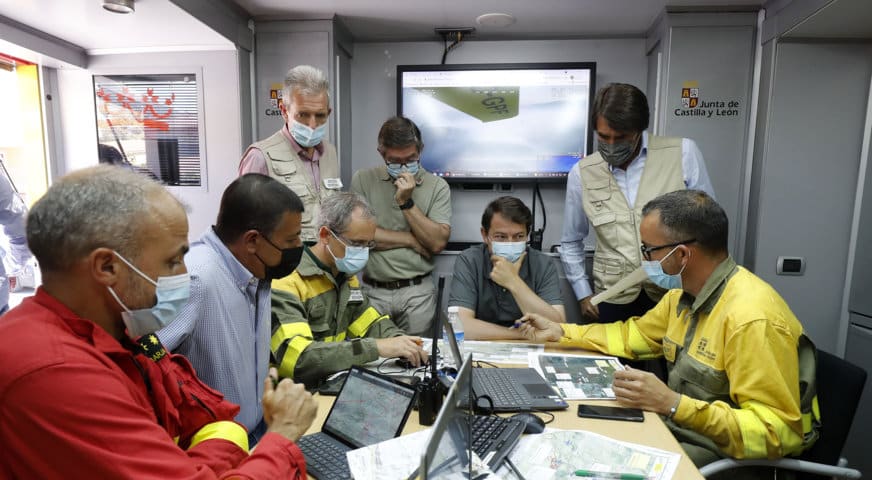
column 306, row 136
column 395, row 169
column 172, row 294
column 655, row 272
column 354, row 260
column 511, row 251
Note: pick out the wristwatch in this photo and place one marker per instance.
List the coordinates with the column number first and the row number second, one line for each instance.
column 408, row 204
column 674, row 408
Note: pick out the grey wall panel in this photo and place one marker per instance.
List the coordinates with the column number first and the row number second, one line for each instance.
column 859, row 352
column 861, row 281
column 719, row 61
column 767, row 66
column 342, row 113
column 810, row 169
column 373, row 93
column 244, row 62
column 656, row 60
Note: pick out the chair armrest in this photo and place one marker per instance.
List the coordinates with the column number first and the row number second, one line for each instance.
column 784, row 463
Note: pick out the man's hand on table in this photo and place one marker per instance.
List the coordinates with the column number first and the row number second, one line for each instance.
column 640, row 389
column 537, row 328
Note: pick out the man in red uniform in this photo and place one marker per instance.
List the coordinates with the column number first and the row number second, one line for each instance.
column 86, row 390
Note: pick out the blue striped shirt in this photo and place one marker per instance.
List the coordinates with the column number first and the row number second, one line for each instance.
column 224, row 329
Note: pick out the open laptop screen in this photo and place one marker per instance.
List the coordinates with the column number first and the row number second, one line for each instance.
column 369, row 409
column 449, row 446
column 452, row 343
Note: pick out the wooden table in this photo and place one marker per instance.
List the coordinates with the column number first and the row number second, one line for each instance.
column 652, row 432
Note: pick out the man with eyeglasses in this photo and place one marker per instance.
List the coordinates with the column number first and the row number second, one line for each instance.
column 607, row 189
column 501, row 280
column 413, row 211
column 297, row 155
column 322, row 322
column 741, row 370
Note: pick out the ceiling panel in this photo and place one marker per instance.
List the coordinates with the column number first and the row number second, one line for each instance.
column 380, row 20
column 156, row 25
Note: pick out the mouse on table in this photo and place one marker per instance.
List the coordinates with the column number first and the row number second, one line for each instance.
column 532, row 422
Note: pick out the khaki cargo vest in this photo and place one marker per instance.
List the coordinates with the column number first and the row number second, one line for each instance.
column 616, row 224
column 285, row 165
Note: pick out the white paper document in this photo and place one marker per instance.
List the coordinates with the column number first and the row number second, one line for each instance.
column 559, row 453
column 577, row 377
column 392, row 459
column 497, row 352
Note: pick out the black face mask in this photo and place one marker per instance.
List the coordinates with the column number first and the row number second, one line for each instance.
column 288, row 263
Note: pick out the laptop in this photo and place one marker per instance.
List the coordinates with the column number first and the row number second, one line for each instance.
column 510, row 389
column 369, row 409
column 457, row 432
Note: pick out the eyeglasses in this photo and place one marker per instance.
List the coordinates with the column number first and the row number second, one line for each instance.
column 646, row 251
column 397, row 166
column 370, row 244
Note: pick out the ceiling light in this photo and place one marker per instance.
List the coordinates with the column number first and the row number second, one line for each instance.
column 495, row 20
column 119, row 6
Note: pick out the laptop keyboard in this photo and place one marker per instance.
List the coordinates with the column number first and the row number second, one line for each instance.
column 325, row 458
column 500, row 386
column 494, row 434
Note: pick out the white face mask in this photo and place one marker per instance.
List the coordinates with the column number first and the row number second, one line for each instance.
column 511, row 251
column 172, row 294
column 306, row 136
column 654, row 269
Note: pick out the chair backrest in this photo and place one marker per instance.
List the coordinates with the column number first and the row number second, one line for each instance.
column 839, row 386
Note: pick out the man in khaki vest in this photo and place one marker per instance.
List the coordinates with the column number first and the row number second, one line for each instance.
column 297, row 155
column 607, row 190
column 413, row 210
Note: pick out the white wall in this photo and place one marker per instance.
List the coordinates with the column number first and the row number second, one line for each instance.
column 373, row 97
column 219, row 77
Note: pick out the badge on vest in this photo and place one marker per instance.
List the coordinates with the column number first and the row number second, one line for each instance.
column 356, row 296
column 332, row 183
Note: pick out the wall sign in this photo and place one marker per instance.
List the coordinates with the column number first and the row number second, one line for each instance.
column 693, row 105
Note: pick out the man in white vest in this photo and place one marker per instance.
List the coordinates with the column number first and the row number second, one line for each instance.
column 297, row 155
column 607, row 189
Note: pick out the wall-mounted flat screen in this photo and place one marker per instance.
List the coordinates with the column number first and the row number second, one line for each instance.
column 501, row 122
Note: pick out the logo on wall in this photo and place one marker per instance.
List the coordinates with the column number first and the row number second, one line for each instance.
column 692, row 105
column 690, row 95
column 275, row 96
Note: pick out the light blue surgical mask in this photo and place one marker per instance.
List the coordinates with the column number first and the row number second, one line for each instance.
column 306, row 136
column 395, row 169
column 172, row 294
column 354, row 260
column 654, row 269
column 511, row 251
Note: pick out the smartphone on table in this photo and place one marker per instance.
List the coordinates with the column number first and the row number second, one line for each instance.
column 611, row 413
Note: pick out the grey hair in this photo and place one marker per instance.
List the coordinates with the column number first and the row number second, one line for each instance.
column 88, row 209
column 692, row 215
column 336, row 211
column 307, row 80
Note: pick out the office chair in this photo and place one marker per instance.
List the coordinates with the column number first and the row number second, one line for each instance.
column 839, row 386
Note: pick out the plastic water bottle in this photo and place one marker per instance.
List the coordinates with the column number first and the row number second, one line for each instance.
column 457, row 326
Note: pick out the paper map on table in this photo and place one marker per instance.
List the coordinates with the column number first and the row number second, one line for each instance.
column 400, row 456
column 397, row 458
column 559, row 453
column 496, row 352
column 577, row 377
